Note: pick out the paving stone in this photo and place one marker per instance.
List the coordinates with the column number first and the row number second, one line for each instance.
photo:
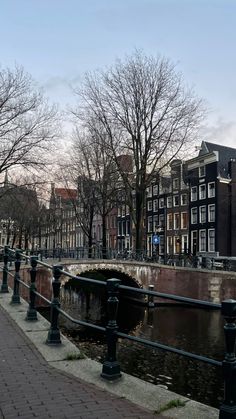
column 31, row 388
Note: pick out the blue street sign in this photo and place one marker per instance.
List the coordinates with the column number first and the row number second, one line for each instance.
column 156, row 239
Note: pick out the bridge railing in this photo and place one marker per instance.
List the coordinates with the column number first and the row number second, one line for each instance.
column 111, row 367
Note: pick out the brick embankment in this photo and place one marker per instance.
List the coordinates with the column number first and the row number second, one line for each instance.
column 31, row 388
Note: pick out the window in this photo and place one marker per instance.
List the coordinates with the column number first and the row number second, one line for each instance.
column 202, row 171
column 149, row 224
column 184, row 199
column 184, row 244
column 169, row 245
column 176, row 221
column 211, row 240
column 211, row 213
column 155, row 222
column 161, row 202
column 175, row 183
column 202, row 191
column 155, row 205
column 202, row 240
column 161, row 221
column 177, row 245
column 194, row 242
column 194, row 193
column 202, row 214
column 211, row 190
column 183, row 219
column 176, row 200
column 194, row 215
column 149, row 192
column 169, row 201
column 169, row 222
column 155, row 190
column 149, row 205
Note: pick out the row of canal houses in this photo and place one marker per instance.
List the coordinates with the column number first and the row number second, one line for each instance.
column 192, row 210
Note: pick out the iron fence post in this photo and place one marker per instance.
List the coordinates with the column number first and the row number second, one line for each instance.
column 32, row 312
column 15, row 299
column 54, row 331
column 228, row 407
column 111, row 367
column 4, row 287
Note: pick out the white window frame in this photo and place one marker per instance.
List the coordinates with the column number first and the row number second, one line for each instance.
column 193, row 233
column 194, row 194
column 209, row 213
column 202, row 248
column 149, row 205
column 195, row 210
column 214, row 194
column 161, row 202
column 155, row 190
column 200, row 215
column 169, row 201
column 176, row 215
column 202, row 173
column 181, row 199
column 150, row 224
column 175, row 196
column 181, row 220
column 209, row 244
column 155, row 222
column 169, row 225
column 176, row 184
column 201, row 190
column 155, row 205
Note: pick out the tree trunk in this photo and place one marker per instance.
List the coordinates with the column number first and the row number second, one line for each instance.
column 104, row 238
column 139, row 224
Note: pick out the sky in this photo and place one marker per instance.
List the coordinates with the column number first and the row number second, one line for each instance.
column 57, row 41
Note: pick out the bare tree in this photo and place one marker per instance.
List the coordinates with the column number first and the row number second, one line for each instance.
column 101, row 171
column 147, row 113
column 27, row 123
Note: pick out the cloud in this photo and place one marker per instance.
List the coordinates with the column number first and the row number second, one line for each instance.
column 220, row 132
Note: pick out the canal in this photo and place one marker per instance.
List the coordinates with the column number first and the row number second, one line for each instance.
column 195, row 330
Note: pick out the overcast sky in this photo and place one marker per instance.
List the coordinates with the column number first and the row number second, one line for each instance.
column 56, row 41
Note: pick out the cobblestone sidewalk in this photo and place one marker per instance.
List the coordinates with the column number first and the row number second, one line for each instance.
column 30, row 388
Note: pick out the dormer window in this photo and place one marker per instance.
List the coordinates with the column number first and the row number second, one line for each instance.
column 202, row 171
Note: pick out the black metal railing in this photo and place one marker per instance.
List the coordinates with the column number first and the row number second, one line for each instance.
column 111, row 366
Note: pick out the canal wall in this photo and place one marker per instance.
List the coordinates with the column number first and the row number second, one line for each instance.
column 203, row 284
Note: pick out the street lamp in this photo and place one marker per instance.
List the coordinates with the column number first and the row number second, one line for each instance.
column 156, row 241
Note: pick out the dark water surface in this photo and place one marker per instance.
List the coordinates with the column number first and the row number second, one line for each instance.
column 195, row 330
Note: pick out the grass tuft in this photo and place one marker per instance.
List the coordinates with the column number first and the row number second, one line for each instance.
column 170, row 405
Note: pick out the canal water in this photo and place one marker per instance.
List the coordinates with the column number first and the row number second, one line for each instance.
column 195, row 330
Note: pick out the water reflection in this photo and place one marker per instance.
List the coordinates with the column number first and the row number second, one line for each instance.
column 194, row 330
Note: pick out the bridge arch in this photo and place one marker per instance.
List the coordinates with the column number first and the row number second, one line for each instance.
column 102, row 274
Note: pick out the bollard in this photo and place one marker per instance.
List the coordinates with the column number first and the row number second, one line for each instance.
column 32, row 312
column 54, row 332
column 15, row 299
column 228, row 407
column 111, row 367
column 4, row 287
column 150, row 297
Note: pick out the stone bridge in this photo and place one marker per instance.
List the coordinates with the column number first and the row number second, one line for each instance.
column 213, row 286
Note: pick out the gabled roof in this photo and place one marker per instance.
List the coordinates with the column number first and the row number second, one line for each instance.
column 225, row 155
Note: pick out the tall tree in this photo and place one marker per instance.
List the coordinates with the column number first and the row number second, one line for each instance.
column 28, row 124
column 147, row 113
